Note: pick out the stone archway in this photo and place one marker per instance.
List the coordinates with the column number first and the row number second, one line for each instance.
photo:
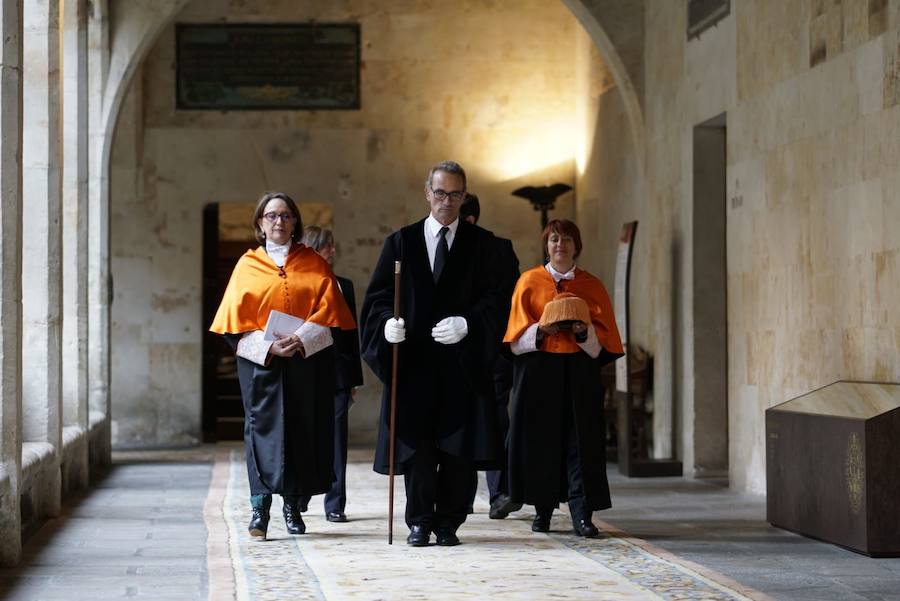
column 118, row 41
column 133, row 29
column 616, row 28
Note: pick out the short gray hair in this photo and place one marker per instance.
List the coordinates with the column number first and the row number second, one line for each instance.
column 317, row 237
column 447, row 167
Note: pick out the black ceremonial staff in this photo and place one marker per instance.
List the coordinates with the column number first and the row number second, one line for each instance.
column 393, row 434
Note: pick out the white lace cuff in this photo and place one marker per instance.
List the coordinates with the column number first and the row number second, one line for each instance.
column 253, row 348
column 591, row 346
column 527, row 342
column 314, row 337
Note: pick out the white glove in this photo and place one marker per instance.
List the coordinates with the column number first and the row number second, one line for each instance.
column 450, row 330
column 395, row 330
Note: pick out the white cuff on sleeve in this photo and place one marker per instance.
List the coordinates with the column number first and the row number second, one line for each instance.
column 314, row 337
column 527, row 342
column 253, row 348
column 591, row 346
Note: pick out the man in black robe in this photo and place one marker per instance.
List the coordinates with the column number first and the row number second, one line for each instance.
column 497, row 480
column 454, row 308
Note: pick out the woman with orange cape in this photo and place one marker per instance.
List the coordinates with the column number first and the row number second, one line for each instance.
column 561, row 331
column 287, row 384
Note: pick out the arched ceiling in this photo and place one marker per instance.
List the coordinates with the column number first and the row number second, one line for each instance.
column 615, row 26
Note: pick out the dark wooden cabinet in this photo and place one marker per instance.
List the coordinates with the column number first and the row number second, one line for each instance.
column 833, row 466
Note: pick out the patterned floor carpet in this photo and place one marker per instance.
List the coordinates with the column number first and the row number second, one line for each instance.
column 499, row 559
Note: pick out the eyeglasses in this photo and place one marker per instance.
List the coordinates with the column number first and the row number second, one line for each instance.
column 273, row 217
column 443, row 194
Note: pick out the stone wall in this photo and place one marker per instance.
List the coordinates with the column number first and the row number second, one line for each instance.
column 488, row 84
column 811, row 91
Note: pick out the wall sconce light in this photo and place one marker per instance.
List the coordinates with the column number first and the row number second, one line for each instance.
column 542, row 198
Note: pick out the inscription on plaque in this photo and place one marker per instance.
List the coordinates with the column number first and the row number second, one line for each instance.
column 237, row 66
column 855, row 469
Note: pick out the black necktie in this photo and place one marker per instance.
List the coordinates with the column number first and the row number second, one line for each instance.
column 440, row 255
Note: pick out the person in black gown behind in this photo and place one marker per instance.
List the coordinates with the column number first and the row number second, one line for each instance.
column 348, row 375
column 497, row 480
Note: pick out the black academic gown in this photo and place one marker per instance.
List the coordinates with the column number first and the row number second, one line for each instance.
column 288, row 422
column 348, row 365
column 348, row 374
column 556, row 395
column 497, row 480
column 445, row 392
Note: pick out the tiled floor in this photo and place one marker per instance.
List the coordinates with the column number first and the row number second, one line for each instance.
column 140, row 533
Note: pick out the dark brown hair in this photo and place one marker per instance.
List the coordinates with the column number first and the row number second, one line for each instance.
column 470, row 206
column 563, row 227
column 261, row 206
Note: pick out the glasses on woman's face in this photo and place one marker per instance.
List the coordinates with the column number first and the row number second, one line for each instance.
column 273, row 217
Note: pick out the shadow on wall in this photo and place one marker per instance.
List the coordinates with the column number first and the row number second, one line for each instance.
column 677, row 340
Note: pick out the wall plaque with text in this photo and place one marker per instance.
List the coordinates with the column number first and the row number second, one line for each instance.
column 267, row 67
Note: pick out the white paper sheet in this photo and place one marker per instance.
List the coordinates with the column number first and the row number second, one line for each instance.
column 281, row 324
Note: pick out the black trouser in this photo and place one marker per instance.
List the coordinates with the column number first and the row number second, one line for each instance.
column 336, row 497
column 497, row 480
column 437, row 488
column 574, row 480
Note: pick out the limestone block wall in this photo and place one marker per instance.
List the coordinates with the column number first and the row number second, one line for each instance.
column 488, row 84
column 609, row 191
column 811, row 89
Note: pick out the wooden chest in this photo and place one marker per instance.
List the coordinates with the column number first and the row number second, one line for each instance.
column 833, row 466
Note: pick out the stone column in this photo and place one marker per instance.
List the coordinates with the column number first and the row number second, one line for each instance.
column 98, row 231
column 74, row 232
column 42, row 238
column 10, row 279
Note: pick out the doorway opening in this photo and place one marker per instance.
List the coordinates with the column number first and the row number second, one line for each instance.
column 224, row 241
column 710, row 315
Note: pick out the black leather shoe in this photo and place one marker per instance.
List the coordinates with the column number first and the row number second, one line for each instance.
column 446, row 538
column 419, row 536
column 541, row 522
column 293, row 521
column 259, row 523
column 585, row 528
column 335, row 516
column 502, row 507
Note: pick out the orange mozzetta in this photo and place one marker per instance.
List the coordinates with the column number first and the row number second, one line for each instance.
column 304, row 288
column 536, row 288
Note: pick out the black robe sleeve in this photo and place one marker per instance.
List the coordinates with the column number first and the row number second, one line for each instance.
column 232, row 340
column 378, row 307
column 488, row 316
column 348, row 365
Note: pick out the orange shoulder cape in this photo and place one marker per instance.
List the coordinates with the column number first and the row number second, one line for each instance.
column 305, row 287
column 536, row 288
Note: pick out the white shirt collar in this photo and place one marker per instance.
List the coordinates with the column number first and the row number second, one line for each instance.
column 557, row 276
column 278, row 252
column 433, row 228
